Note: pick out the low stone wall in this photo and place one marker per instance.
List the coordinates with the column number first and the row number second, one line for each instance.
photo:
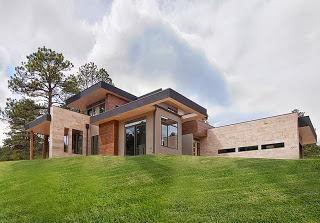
column 277, row 129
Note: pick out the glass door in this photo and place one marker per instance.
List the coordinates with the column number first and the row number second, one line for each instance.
column 135, row 138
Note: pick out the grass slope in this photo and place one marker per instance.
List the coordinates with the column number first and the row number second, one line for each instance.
column 160, row 188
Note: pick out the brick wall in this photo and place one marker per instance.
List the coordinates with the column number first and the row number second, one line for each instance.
column 112, row 101
column 197, row 127
column 108, row 138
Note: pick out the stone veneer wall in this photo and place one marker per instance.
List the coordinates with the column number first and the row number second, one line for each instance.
column 108, row 138
column 112, row 101
column 61, row 119
column 277, row 129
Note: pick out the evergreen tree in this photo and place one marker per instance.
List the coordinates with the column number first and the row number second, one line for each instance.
column 17, row 114
column 43, row 78
column 89, row 74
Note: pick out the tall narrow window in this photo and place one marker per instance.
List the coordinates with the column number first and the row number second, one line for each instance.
column 77, row 141
column 65, row 140
column 169, row 133
column 95, row 145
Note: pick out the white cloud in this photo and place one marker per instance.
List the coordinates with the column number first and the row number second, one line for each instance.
column 27, row 25
column 263, row 54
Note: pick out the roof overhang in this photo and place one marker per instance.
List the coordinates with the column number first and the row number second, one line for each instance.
column 41, row 125
column 146, row 104
column 306, row 130
column 95, row 93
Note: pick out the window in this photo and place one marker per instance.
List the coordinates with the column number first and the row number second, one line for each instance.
column 169, row 133
column 96, row 110
column 221, row 151
column 95, row 145
column 77, row 140
column 247, row 148
column 65, row 140
column 272, row 146
column 135, row 137
column 90, row 112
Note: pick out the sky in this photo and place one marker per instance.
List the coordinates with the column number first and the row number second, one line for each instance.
column 242, row 60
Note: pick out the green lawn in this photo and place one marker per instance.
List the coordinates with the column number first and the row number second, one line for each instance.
column 163, row 188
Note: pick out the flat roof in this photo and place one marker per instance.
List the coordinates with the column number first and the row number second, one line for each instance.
column 40, row 125
column 96, row 92
column 306, row 121
column 151, row 100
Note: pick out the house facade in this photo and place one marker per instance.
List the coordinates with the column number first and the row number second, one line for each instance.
column 115, row 122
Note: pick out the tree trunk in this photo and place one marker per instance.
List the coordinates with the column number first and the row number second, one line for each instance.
column 45, row 146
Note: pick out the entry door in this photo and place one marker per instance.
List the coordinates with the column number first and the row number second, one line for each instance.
column 196, row 148
column 136, row 140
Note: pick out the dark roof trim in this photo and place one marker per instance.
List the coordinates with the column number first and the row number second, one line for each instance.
column 187, row 102
column 38, row 121
column 102, row 85
column 150, row 93
column 168, row 93
column 306, row 121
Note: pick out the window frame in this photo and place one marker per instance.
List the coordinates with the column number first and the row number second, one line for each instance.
column 276, row 145
column 248, row 148
column 65, row 140
column 101, row 107
column 75, row 148
column 229, row 150
column 167, row 131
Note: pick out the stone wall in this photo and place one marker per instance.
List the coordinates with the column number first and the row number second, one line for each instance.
column 277, row 129
column 62, row 119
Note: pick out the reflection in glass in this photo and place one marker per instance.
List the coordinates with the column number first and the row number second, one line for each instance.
column 141, row 139
column 77, row 141
column 95, row 145
column 136, row 138
column 169, row 133
column 65, row 140
column 130, row 141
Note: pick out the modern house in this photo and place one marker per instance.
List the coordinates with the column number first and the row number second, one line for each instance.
column 163, row 122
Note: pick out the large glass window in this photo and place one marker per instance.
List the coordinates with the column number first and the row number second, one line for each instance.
column 135, row 137
column 95, row 145
column 169, row 133
column 77, row 141
column 65, row 140
column 96, row 110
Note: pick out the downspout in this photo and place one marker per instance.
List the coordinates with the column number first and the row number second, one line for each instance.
column 154, row 128
column 87, row 127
